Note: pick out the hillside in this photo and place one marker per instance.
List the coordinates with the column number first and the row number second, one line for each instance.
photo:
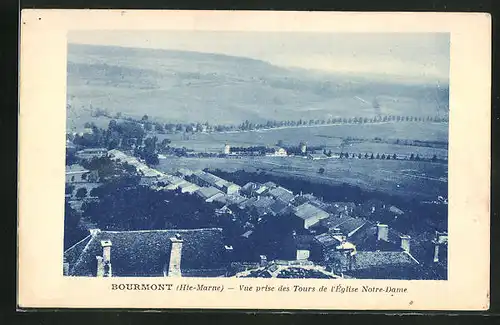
column 182, row 86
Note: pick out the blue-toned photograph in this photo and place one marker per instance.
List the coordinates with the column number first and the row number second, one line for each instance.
column 257, row 155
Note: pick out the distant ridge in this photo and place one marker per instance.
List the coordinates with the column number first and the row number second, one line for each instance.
column 185, row 86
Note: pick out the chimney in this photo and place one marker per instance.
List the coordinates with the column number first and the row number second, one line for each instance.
column 106, row 250
column 174, row 266
column 65, row 267
column 106, row 257
column 228, row 249
column 405, row 243
column 436, row 252
column 100, row 266
column 382, row 232
column 303, row 254
column 263, row 260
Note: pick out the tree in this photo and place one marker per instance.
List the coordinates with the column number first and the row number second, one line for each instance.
column 378, row 156
column 394, row 156
column 145, row 117
column 359, row 156
column 73, row 233
column 81, row 193
column 112, row 124
column 321, row 170
column 159, row 128
column 371, row 157
column 412, row 156
column 383, row 156
column 366, row 155
column 434, row 158
column 69, row 188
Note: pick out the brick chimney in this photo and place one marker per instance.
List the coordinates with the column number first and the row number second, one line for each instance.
column 405, row 243
column 382, row 232
column 106, row 257
column 174, row 266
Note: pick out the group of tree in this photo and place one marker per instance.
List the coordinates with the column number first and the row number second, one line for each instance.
column 135, row 207
column 108, row 170
column 124, row 135
column 383, row 156
column 194, row 127
column 368, row 156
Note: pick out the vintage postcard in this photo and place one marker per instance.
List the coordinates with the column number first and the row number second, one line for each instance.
column 254, row 160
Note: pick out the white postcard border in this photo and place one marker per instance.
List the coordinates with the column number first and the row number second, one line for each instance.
column 42, row 151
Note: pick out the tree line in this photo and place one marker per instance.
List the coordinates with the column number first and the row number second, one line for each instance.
column 383, row 156
column 194, row 127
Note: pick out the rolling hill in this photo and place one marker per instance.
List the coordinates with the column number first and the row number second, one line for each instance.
column 179, row 86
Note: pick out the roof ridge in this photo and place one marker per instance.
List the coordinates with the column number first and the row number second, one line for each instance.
column 79, row 260
column 77, row 243
column 159, row 230
column 411, row 256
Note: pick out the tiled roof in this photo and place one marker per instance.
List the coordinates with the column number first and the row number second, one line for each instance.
column 75, row 169
column 249, row 186
column 234, row 199
column 184, row 172
column 306, row 211
column 304, row 241
column 145, row 253
column 247, row 203
column 282, row 194
column 187, row 184
column 210, row 178
column 269, row 184
column 263, row 205
column 278, row 206
column 208, row 192
column 326, row 240
column 263, row 202
column 365, row 259
column 349, row 226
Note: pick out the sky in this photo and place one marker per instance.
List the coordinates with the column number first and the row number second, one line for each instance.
column 418, row 56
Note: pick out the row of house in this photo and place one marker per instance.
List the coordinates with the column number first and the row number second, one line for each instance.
column 141, row 167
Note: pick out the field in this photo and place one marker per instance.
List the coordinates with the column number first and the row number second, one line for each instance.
column 328, row 136
column 404, row 178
